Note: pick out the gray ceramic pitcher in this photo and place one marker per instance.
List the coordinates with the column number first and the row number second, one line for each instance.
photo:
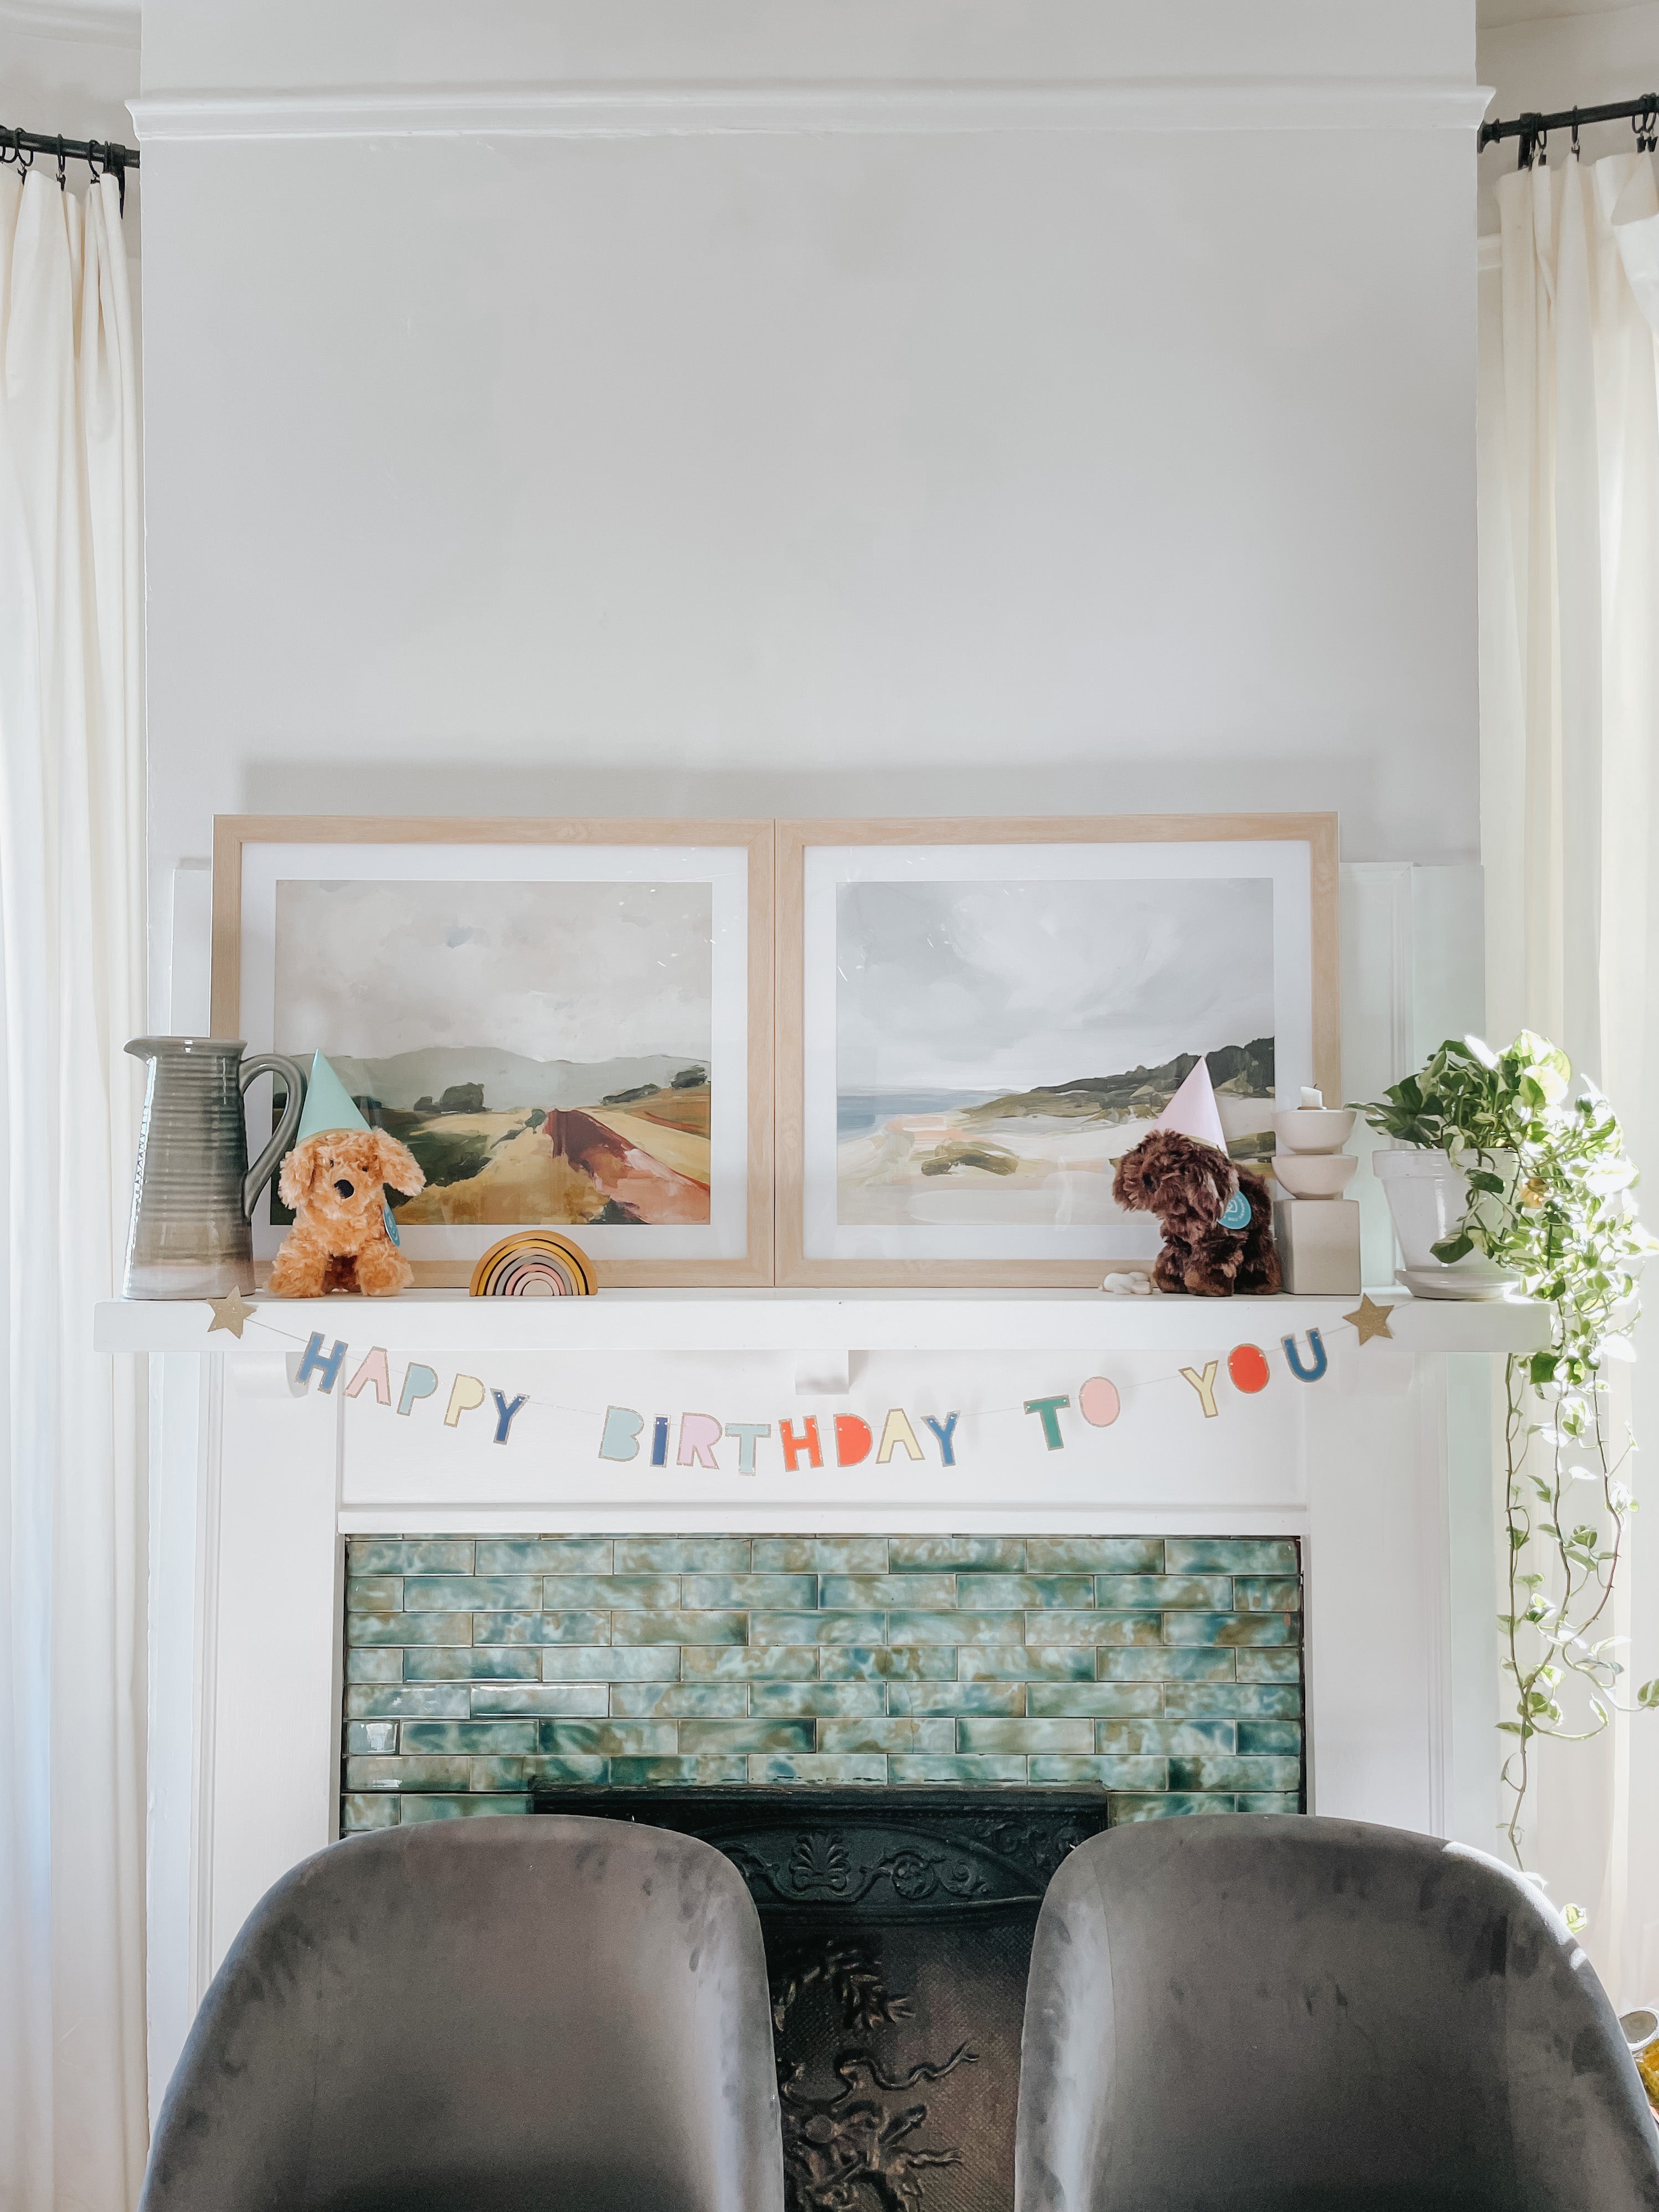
column 193, row 1192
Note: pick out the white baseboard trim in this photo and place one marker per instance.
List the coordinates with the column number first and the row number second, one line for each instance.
column 652, row 111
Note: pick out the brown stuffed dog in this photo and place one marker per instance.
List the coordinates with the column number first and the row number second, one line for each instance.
column 1189, row 1187
column 335, row 1183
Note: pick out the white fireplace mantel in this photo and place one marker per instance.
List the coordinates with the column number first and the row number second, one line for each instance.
column 855, row 1321
column 1379, row 1468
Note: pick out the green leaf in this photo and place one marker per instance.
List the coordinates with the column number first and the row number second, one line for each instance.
column 1453, row 1248
column 1648, row 1696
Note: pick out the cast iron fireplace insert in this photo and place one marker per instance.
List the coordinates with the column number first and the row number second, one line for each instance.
column 898, row 1926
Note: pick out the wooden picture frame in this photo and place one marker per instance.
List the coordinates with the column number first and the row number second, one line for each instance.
column 1297, row 852
column 736, row 1249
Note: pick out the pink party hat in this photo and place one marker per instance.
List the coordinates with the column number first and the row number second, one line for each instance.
column 1193, row 1111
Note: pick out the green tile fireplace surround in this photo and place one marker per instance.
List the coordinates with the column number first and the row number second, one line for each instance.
column 482, row 1670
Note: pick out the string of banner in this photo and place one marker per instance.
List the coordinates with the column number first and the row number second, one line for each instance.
column 693, row 1438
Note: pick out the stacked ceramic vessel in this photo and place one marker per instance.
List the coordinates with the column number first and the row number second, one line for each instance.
column 1315, row 1228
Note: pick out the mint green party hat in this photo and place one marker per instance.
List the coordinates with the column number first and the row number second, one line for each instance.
column 328, row 1104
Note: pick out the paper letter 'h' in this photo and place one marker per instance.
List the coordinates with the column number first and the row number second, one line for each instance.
column 793, row 1445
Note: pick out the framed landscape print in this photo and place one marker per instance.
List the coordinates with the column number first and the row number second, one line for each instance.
column 977, row 1019
column 567, row 1021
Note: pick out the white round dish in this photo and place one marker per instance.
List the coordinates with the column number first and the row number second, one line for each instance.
column 1315, row 1129
column 1315, row 1175
column 1446, row 1283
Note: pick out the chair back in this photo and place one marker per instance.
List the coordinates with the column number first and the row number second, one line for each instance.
column 520, row 2012
column 1247, row 2012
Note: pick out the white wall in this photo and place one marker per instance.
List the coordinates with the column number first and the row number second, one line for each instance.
column 864, row 469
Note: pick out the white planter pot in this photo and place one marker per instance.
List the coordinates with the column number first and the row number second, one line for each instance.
column 1428, row 1196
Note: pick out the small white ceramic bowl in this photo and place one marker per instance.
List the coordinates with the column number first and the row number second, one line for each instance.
column 1315, row 1129
column 1315, row 1175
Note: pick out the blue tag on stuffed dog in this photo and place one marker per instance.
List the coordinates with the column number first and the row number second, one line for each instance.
column 391, row 1226
column 1237, row 1212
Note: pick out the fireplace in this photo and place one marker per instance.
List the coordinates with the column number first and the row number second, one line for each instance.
column 896, row 1738
column 1164, row 1672
column 299, row 1541
column 898, row 1926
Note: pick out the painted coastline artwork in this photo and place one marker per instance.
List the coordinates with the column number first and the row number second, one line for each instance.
column 542, row 1048
column 1000, row 1044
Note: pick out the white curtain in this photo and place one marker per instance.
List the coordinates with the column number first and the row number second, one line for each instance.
column 72, row 2087
column 1570, row 801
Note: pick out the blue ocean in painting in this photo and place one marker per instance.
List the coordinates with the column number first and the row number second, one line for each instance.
column 859, row 1112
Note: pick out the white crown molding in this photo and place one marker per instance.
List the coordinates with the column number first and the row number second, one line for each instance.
column 652, row 111
column 88, row 22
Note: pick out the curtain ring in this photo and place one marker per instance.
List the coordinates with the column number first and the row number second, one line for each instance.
column 94, row 159
column 63, row 165
column 1575, row 134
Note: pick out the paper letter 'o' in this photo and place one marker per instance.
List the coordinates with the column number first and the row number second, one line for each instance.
column 1098, row 1402
column 1247, row 1363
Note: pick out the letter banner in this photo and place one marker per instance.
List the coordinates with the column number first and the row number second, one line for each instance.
column 1062, row 1411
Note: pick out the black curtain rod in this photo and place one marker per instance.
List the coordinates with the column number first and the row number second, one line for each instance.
column 99, row 154
column 1534, row 131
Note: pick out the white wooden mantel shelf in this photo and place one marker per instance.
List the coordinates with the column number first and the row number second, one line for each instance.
column 848, row 1321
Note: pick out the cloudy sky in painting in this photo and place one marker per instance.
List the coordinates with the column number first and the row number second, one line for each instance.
column 555, row 971
column 986, row 985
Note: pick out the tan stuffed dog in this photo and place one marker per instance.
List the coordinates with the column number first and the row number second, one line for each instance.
column 334, row 1183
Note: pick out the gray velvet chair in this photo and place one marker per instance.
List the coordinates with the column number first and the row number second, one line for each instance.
column 1261, row 2013
column 562, row 2013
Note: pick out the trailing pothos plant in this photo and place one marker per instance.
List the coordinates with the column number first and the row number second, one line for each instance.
column 1552, row 1200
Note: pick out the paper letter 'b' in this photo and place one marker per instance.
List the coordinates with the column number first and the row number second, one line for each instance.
column 620, row 1439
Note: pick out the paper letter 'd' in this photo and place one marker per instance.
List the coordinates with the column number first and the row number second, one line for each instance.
column 853, row 1440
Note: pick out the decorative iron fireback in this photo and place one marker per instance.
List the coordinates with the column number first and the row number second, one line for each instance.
column 898, row 1927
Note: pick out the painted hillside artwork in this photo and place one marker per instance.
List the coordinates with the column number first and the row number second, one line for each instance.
column 1000, row 1045
column 542, row 1048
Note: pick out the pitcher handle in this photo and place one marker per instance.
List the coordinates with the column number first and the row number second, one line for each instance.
column 271, row 1063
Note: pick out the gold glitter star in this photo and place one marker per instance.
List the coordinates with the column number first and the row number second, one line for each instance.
column 232, row 1313
column 1371, row 1318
